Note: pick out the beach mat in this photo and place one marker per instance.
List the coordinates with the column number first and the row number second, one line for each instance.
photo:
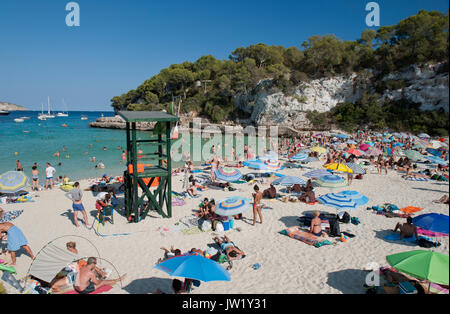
column 396, row 237
column 98, row 291
column 305, row 237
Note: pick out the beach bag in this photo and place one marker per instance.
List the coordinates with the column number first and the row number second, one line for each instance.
column 335, row 230
column 219, row 227
column 206, row 225
column 425, row 243
column 345, row 218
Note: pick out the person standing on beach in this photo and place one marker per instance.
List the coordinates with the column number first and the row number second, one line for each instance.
column 49, row 172
column 16, row 240
column 257, row 196
column 75, row 196
column 35, row 177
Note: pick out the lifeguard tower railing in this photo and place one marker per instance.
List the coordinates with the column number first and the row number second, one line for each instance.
column 140, row 174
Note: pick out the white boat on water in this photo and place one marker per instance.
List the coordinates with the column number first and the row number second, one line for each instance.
column 25, row 118
column 18, row 120
column 83, row 117
column 63, row 114
column 4, row 113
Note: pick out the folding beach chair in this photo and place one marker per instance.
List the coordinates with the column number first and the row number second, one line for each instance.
column 106, row 212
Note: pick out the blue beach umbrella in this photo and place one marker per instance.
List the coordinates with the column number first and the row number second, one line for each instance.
column 316, row 173
column 338, row 201
column 343, row 136
column 232, row 205
column 299, row 157
column 434, row 152
column 357, row 197
column 13, row 181
column 194, row 267
column 351, row 142
column 255, row 164
column 436, row 160
column 432, row 222
column 398, row 144
column 288, row 181
column 228, row 174
column 331, row 181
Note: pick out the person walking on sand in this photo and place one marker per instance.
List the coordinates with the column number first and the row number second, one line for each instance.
column 87, row 281
column 257, row 196
column 75, row 196
column 16, row 240
column 49, row 172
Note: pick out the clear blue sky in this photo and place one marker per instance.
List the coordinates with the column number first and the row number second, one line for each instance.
column 121, row 43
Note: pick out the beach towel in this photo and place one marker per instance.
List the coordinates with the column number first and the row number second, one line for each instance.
column 396, row 237
column 98, row 291
column 16, row 239
column 416, row 179
column 11, row 215
column 305, row 237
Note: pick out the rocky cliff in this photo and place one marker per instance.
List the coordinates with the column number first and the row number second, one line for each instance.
column 426, row 85
column 11, row 107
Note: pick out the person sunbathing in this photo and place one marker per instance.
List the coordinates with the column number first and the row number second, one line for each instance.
column 407, row 230
column 87, row 281
column 316, row 225
column 172, row 253
column 270, row 192
column 443, row 200
column 309, row 196
column 191, row 190
column 229, row 248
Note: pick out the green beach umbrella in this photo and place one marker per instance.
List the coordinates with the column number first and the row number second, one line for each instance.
column 414, row 155
column 421, row 264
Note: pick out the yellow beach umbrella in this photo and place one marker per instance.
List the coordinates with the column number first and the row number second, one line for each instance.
column 13, row 181
column 318, row 149
column 338, row 167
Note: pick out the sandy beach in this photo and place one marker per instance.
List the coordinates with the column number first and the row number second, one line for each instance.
column 288, row 266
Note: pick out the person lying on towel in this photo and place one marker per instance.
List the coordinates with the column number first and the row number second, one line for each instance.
column 407, row 230
column 230, row 249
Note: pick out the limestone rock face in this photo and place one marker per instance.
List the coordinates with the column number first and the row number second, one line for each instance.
column 117, row 122
column 11, row 107
column 425, row 85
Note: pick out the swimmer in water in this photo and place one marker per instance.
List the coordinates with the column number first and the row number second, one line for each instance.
column 56, row 154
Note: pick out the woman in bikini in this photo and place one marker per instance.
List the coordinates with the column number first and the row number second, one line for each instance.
column 316, row 225
column 257, row 196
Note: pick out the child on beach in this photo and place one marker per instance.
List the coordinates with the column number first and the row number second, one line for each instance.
column 16, row 240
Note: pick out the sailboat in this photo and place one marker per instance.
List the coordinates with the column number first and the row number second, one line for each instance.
column 42, row 115
column 49, row 115
column 63, row 114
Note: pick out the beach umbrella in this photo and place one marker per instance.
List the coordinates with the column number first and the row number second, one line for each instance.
column 434, row 152
column 331, row 181
column 288, row 181
column 273, row 164
column 421, row 142
column 194, row 267
column 398, row 144
column 357, row 169
column 411, row 209
column 399, row 153
column 338, row 201
column 13, row 181
column 432, row 222
column 343, row 136
column 310, row 159
column 422, row 264
column 364, row 147
column 355, row 152
column 228, row 174
column 270, row 155
column 386, row 140
column 356, row 197
column 437, row 144
column 299, row 157
column 338, row 167
column 316, row 173
column 413, row 155
column 232, row 205
column 306, row 150
column 424, row 135
column 387, row 151
column 255, row 164
column 436, row 160
column 351, row 142
column 374, row 152
column 370, row 143
column 318, row 149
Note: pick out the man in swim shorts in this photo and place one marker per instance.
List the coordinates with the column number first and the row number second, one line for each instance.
column 87, row 282
column 16, row 240
column 229, row 248
column 407, row 230
column 75, row 196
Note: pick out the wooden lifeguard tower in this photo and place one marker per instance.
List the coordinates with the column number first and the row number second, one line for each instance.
column 140, row 173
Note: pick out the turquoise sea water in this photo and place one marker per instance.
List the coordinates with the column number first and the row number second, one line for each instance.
column 36, row 141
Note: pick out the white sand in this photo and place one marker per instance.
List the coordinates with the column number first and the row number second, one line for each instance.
column 287, row 265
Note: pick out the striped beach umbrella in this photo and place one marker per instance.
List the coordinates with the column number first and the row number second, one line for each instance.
column 436, row 160
column 299, row 157
column 255, row 164
column 316, row 173
column 424, row 135
column 434, row 152
column 13, row 181
column 228, row 174
column 232, row 205
column 331, row 181
column 338, row 201
column 413, row 155
column 357, row 197
column 270, row 155
column 273, row 164
column 288, row 181
column 357, row 169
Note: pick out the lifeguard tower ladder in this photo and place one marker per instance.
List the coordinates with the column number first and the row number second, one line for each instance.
column 140, row 174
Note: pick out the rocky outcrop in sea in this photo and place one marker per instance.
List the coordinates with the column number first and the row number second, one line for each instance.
column 11, row 107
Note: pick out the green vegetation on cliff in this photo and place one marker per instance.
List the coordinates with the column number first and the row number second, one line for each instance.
column 422, row 38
